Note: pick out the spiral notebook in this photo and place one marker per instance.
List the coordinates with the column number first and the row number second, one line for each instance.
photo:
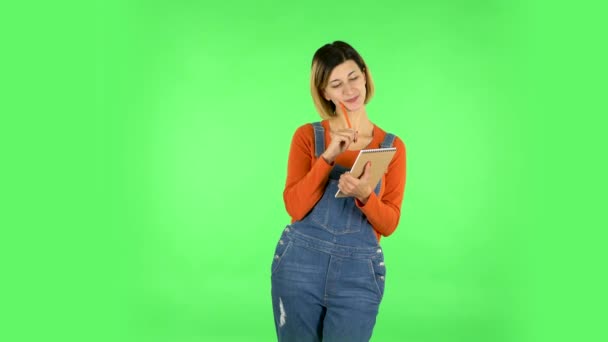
column 380, row 158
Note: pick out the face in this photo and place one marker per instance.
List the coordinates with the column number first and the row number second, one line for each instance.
column 347, row 85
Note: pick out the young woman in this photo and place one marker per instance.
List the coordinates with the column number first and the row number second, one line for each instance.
column 328, row 271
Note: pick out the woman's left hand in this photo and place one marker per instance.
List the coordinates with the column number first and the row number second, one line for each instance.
column 356, row 187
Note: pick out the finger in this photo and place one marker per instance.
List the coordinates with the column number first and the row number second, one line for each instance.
column 341, row 186
column 367, row 171
column 345, row 191
column 349, row 132
column 344, row 142
column 349, row 182
column 346, row 176
column 337, row 139
column 345, row 188
column 346, row 179
column 343, row 137
column 345, row 183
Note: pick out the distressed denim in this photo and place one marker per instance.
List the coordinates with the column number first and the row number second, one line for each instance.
column 325, row 292
column 328, row 271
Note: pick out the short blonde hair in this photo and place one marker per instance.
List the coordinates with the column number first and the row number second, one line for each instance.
column 324, row 61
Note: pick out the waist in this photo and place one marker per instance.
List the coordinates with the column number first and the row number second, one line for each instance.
column 332, row 248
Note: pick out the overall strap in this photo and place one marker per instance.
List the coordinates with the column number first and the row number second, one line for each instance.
column 319, row 139
column 388, row 140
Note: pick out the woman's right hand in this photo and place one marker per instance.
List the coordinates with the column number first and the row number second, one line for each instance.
column 340, row 140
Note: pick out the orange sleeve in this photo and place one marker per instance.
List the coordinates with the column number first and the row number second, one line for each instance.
column 306, row 175
column 383, row 213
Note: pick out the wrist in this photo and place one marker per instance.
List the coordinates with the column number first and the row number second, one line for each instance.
column 362, row 201
column 364, row 198
column 328, row 159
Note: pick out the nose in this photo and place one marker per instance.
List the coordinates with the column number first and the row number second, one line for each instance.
column 348, row 89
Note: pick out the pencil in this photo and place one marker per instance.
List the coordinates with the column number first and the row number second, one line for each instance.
column 345, row 115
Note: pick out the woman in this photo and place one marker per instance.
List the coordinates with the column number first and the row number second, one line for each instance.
column 328, row 271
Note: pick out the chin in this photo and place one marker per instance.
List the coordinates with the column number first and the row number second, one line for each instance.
column 354, row 107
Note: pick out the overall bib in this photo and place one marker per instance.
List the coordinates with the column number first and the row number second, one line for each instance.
column 328, row 269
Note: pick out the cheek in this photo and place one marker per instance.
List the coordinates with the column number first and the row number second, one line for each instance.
column 331, row 93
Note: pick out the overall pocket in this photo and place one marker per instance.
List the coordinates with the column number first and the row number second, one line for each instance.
column 337, row 215
column 281, row 251
column 378, row 269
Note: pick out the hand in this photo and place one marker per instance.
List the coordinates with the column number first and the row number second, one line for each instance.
column 340, row 141
column 356, row 187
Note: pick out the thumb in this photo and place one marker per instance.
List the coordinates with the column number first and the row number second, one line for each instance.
column 367, row 171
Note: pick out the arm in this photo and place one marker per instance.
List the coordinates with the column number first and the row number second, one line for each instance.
column 306, row 177
column 384, row 213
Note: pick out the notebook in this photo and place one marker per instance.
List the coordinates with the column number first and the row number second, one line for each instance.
column 380, row 158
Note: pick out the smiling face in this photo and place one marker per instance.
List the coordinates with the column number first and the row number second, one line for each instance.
column 339, row 75
column 346, row 84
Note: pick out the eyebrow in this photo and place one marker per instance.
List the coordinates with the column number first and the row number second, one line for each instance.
column 346, row 76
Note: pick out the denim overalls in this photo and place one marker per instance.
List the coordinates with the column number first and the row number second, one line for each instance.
column 328, row 269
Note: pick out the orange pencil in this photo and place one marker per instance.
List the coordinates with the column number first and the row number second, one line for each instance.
column 347, row 120
column 345, row 115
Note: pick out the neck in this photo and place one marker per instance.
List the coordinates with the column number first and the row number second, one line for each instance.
column 358, row 118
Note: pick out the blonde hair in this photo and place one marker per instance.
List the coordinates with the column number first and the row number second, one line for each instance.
column 324, row 61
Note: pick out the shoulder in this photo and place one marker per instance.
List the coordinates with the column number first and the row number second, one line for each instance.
column 307, row 130
column 400, row 145
column 398, row 142
column 304, row 136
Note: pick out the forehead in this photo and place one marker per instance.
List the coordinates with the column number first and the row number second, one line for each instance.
column 342, row 70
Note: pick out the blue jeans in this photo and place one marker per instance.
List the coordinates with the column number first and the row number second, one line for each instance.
column 322, row 291
column 328, row 271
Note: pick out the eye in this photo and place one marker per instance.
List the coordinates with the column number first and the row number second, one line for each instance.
column 354, row 78
column 336, row 85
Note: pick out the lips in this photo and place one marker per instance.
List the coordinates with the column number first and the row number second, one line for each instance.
column 353, row 100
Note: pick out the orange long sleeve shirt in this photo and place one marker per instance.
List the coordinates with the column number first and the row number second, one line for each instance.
column 307, row 177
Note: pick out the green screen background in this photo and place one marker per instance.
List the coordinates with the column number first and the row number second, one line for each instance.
column 163, row 129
